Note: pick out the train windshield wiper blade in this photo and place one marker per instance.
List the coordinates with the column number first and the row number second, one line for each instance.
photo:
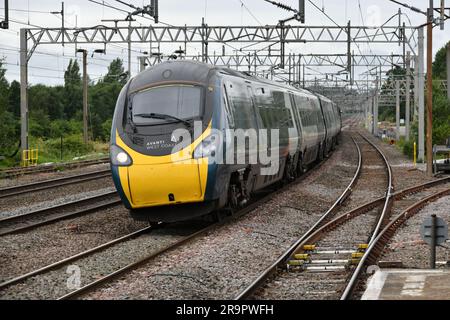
column 162, row 117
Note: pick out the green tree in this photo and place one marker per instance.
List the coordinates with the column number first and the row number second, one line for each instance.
column 387, row 113
column 8, row 124
column 116, row 73
column 440, row 64
column 102, row 99
column 14, row 98
column 73, row 92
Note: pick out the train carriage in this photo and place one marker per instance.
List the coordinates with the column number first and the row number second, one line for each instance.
column 189, row 138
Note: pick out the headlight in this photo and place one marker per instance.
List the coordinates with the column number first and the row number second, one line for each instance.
column 208, row 147
column 119, row 157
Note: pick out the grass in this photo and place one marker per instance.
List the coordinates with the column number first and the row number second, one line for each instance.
column 73, row 149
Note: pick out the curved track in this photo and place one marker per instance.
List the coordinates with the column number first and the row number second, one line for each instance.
column 253, row 205
column 307, row 238
column 350, row 276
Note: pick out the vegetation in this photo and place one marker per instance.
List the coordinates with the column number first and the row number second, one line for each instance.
column 56, row 114
column 441, row 106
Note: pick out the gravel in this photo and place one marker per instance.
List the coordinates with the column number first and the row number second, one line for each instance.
column 220, row 264
column 407, row 245
column 31, row 205
column 24, row 252
column 405, row 173
column 35, row 177
column 58, row 282
column 31, row 198
column 328, row 285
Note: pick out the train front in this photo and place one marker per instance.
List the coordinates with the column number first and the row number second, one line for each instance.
column 160, row 142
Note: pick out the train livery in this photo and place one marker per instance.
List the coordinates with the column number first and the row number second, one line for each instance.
column 173, row 120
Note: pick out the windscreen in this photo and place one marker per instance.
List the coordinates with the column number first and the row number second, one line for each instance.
column 180, row 101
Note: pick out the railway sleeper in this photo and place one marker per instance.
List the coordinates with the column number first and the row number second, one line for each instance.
column 312, row 259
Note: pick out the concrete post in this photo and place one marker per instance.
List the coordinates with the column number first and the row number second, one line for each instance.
column 448, row 70
column 408, row 96
column 416, row 87
column 375, row 110
column 129, row 49
column 85, row 99
column 429, row 128
column 397, row 110
column 141, row 63
column 23, row 89
column 421, row 67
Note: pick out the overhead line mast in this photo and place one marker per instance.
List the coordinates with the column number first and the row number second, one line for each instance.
column 5, row 23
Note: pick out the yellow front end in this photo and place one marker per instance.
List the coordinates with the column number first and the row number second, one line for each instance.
column 164, row 180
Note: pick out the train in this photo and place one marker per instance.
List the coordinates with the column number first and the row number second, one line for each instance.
column 189, row 139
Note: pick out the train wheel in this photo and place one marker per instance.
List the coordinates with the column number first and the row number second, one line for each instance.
column 300, row 167
column 320, row 155
column 233, row 200
column 289, row 171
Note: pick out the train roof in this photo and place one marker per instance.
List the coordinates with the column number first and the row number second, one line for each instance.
column 194, row 71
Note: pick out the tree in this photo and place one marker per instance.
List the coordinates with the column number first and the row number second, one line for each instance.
column 102, row 99
column 116, row 73
column 4, row 88
column 440, row 64
column 14, row 98
column 387, row 113
column 8, row 124
column 73, row 92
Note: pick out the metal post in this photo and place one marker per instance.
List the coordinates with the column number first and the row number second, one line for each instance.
column 290, row 69
column 5, row 24
column 85, row 99
column 421, row 67
column 448, row 71
column 349, row 53
column 416, row 87
column 397, row 109
column 282, row 44
column 304, row 78
column 129, row 49
column 433, row 242
column 408, row 96
column 62, row 19
column 141, row 63
column 429, row 136
column 375, row 110
column 23, row 90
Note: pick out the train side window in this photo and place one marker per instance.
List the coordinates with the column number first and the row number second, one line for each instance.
column 228, row 110
column 242, row 106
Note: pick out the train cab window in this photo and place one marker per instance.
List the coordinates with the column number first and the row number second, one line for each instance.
column 165, row 104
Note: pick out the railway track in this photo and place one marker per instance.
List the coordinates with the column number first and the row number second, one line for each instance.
column 52, row 183
column 321, row 265
column 39, row 217
column 20, row 171
column 134, row 264
column 327, row 262
column 376, row 248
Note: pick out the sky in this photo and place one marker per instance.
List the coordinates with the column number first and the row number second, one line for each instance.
column 48, row 63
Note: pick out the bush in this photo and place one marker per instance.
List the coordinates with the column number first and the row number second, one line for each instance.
column 407, row 147
column 50, row 149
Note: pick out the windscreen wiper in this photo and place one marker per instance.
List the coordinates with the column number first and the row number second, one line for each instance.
column 162, row 117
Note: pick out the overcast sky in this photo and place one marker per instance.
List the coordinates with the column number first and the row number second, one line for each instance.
column 49, row 69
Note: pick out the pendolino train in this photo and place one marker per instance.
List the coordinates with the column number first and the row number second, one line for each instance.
column 162, row 175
